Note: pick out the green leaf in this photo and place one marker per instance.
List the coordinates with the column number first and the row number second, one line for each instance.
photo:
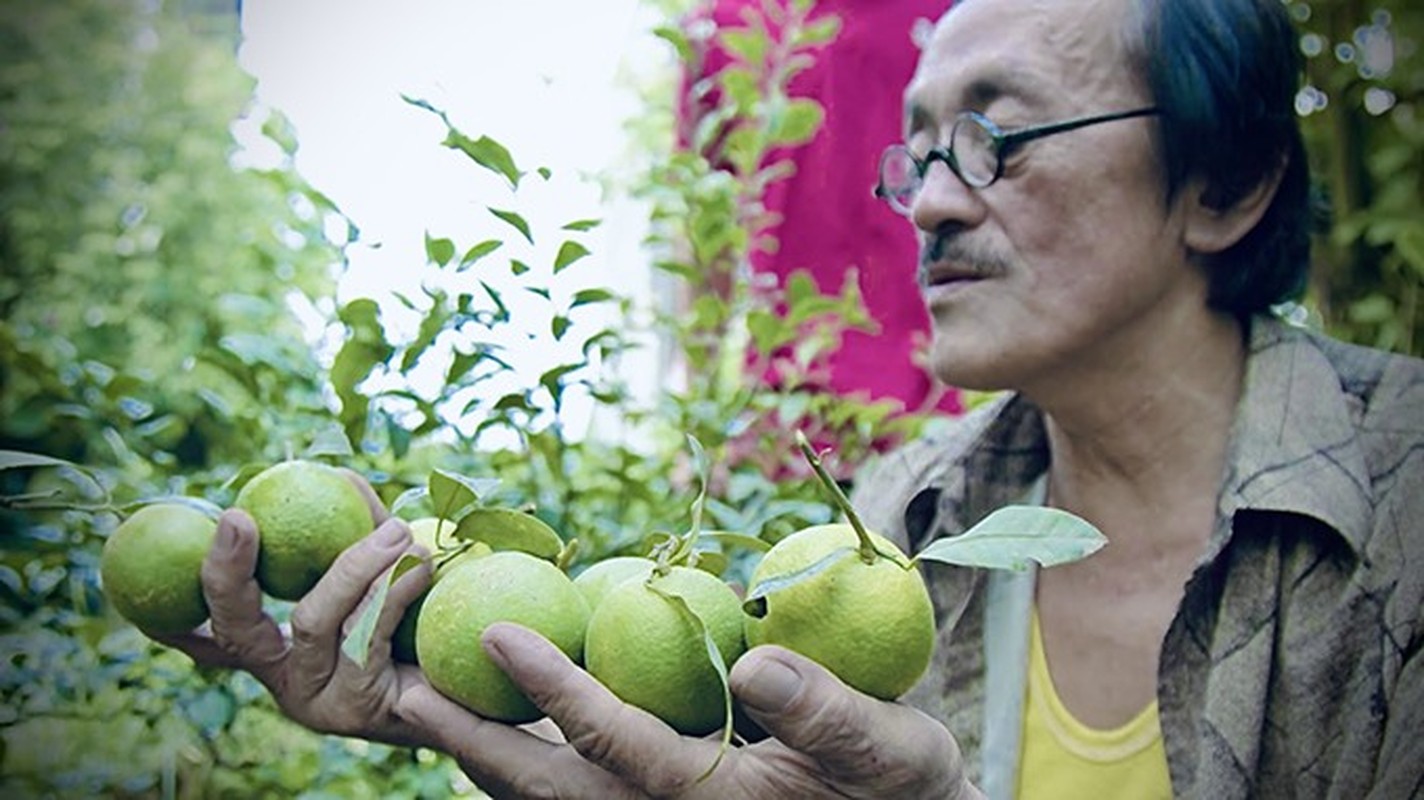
column 450, row 492
column 330, row 442
column 510, row 529
column 719, row 663
column 755, row 603
column 583, row 225
column 729, row 539
column 569, row 252
column 517, row 267
column 748, row 45
column 202, row 505
column 820, row 31
column 1410, row 246
column 357, row 644
column 514, row 221
column 1013, row 536
column 439, row 251
column 478, row 252
column 244, row 474
column 364, row 349
column 501, row 310
column 16, row 459
column 409, row 497
column 676, row 37
column 559, row 325
column 585, row 297
column 798, row 122
column 431, row 326
column 486, row 152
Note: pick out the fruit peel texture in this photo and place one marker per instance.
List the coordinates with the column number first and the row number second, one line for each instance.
column 505, row 586
column 151, row 568
column 306, row 514
column 646, row 651
column 870, row 624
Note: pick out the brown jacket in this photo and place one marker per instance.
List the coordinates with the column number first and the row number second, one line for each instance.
column 1292, row 668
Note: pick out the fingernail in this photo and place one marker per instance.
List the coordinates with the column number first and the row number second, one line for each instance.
column 494, row 648
column 770, row 687
column 226, row 540
column 391, row 533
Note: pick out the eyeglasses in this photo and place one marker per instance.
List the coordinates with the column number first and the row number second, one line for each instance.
column 976, row 152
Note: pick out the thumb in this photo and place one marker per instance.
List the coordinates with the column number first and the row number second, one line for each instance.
column 865, row 746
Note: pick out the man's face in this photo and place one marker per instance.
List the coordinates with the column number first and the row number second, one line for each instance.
column 1072, row 256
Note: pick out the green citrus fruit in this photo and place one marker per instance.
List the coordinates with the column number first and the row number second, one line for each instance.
column 151, row 565
column 870, row 624
column 423, row 532
column 600, row 577
column 647, row 651
column 306, row 513
column 505, row 586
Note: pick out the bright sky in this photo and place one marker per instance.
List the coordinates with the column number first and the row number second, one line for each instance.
column 539, row 76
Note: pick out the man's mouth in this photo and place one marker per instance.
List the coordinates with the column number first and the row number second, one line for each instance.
column 937, row 275
column 947, row 262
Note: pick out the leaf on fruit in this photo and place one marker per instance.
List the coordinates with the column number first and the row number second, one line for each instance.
column 755, row 602
column 357, row 644
column 1014, row 536
column 450, row 492
column 240, row 478
column 713, row 562
column 718, row 663
column 729, row 539
column 510, row 529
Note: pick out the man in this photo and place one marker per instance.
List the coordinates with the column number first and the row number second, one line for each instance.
column 1254, row 622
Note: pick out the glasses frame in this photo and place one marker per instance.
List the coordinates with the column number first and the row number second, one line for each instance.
column 1004, row 142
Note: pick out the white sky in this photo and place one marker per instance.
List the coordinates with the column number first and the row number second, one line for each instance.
column 539, row 76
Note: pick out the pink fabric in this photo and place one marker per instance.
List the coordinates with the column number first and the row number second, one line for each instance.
column 830, row 220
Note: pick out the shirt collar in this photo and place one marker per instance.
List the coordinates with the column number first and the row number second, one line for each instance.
column 1293, row 446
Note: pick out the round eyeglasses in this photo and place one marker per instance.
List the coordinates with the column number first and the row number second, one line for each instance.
column 976, row 152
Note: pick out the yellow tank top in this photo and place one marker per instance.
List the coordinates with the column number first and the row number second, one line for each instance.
column 1064, row 759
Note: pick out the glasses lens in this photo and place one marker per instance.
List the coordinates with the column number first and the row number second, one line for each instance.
column 976, row 149
column 899, row 178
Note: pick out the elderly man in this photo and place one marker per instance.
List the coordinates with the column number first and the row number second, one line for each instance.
column 1110, row 196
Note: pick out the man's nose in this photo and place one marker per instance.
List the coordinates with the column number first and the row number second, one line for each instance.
column 945, row 199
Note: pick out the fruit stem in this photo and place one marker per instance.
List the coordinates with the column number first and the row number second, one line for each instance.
column 868, row 553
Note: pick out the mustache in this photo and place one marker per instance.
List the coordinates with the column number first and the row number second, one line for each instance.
column 950, row 248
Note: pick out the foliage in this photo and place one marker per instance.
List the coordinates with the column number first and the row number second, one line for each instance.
column 1363, row 123
column 146, row 332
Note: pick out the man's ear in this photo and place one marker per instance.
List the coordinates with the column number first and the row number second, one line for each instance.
column 1215, row 223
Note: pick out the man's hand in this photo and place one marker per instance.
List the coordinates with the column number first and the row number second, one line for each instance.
column 303, row 667
column 829, row 741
